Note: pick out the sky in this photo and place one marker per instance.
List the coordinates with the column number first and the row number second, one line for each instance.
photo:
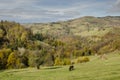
column 38, row 11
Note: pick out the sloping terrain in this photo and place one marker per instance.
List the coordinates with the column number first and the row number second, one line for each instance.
column 96, row 69
column 85, row 26
column 57, row 43
column 96, row 33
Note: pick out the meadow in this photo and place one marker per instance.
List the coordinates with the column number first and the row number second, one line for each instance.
column 95, row 69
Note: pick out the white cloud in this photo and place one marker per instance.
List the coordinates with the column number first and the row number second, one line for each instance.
column 27, row 9
column 115, row 7
column 51, row 9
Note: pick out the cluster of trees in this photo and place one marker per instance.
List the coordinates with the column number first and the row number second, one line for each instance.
column 14, row 37
column 20, row 48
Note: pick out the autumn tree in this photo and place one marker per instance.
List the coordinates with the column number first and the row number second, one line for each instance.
column 4, row 53
column 11, row 61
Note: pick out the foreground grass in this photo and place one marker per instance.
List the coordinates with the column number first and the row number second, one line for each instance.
column 96, row 69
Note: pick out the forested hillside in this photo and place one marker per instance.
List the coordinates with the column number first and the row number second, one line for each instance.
column 19, row 48
column 57, row 43
column 95, row 34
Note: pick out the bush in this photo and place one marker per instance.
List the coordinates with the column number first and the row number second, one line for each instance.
column 66, row 61
column 82, row 59
column 58, row 62
column 19, row 64
column 32, row 59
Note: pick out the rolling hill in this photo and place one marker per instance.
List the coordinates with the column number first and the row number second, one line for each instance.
column 84, row 26
column 57, row 43
column 95, row 33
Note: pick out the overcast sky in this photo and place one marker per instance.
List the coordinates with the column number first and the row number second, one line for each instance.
column 28, row 11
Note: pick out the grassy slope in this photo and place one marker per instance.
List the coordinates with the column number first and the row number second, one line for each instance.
column 78, row 26
column 96, row 69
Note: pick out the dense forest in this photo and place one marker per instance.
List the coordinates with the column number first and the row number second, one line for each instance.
column 26, row 45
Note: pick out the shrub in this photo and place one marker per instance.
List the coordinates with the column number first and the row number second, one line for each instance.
column 66, row 61
column 82, row 59
column 32, row 59
column 58, row 62
column 19, row 64
column 22, row 62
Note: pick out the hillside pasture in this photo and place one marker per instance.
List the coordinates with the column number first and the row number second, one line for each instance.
column 95, row 69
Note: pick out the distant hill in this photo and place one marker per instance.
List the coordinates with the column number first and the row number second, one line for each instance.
column 84, row 26
column 99, row 34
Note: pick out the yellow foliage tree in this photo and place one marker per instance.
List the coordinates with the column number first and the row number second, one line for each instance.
column 57, row 62
column 11, row 62
column 4, row 53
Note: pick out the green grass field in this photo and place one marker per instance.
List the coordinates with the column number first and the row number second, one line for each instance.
column 96, row 69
